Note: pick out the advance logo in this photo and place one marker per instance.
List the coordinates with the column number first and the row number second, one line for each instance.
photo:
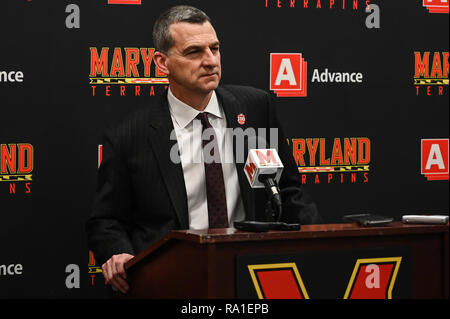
column 289, row 77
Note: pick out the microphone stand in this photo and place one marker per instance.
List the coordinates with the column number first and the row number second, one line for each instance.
column 274, row 207
column 273, row 211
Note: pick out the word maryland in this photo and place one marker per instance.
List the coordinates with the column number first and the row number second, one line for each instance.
column 338, row 160
column 124, row 72
column 17, row 165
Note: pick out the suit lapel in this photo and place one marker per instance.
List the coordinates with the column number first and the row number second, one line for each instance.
column 232, row 108
column 162, row 145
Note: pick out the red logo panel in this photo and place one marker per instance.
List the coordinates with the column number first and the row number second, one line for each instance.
column 288, row 74
column 124, row 1
column 436, row 6
column 435, row 159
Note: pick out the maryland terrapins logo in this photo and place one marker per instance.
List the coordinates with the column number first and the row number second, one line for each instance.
column 278, row 281
column 373, row 278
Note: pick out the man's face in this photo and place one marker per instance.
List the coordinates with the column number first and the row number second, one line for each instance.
column 194, row 59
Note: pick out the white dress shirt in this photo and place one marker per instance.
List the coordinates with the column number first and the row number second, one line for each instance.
column 189, row 134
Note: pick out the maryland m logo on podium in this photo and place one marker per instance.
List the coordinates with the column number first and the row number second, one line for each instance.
column 384, row 273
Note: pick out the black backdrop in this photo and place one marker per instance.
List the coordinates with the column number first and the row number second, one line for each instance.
column 54, row 110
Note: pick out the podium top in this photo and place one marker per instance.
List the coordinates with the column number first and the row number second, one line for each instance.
column 228, row 235
column 222, row 235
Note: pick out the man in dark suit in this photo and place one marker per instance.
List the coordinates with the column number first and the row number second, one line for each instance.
column 149, row 181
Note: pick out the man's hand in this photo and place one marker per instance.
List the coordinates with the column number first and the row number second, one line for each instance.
column 114, row 272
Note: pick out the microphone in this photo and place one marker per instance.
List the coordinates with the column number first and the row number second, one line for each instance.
column 263, row 170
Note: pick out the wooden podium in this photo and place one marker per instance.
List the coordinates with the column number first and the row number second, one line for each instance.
column 203, row 264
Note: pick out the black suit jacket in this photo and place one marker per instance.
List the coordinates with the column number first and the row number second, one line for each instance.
column 141, row 193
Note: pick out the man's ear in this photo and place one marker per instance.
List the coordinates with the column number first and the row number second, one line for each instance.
column 160, row 60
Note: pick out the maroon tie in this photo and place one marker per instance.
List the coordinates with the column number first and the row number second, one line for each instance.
column 215, row 186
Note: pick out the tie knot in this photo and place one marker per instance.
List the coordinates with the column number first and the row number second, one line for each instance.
column 204, row 118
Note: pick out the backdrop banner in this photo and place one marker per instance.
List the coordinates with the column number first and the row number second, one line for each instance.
column 361, row 89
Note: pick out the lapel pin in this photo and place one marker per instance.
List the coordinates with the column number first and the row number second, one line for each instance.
column 241, row 119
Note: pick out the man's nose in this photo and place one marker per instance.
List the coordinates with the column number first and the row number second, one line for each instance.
column 209, row 58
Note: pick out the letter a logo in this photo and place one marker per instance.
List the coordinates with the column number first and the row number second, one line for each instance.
column 288, row 75
column 435, row 159
column 436, row 6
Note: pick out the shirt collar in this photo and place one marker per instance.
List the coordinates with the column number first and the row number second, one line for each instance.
column 183, row 114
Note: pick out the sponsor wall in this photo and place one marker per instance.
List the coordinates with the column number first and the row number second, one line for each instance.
column 361, row 88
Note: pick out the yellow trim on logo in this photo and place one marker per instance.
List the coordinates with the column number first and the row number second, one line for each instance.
column 123, row 80
column 16, row 178
column 293, row 266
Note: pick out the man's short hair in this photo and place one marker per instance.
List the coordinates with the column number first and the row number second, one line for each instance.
column 162, row 39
